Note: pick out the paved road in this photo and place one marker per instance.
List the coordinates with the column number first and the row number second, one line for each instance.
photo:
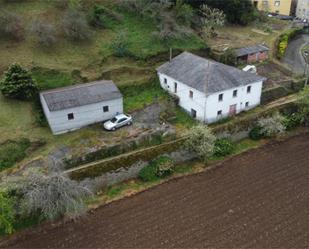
column 293, row 57
column 259, row 199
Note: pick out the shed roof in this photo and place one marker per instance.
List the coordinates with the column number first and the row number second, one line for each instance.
column 206, row 75
column 251, row 50
column 80, row 95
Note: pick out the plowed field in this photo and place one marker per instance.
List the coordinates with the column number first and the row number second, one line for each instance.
column 259, row 199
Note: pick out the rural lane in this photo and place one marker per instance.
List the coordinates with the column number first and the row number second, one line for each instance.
column 293, row 57
column 259, row 199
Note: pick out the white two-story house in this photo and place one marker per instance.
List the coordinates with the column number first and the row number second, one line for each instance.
column 209, row 90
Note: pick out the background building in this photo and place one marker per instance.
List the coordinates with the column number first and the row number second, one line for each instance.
column 282, row 7
column 302, row 10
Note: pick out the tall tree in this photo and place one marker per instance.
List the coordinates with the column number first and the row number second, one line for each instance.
column 18, row 83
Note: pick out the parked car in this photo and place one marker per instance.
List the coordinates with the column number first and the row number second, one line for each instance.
column 118, row 121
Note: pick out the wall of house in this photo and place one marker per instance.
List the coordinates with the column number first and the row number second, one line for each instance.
column 213, row 104
column 207, row 109
column 282, row 7
column 83, row 115
column 302, row 10
column 196, row 103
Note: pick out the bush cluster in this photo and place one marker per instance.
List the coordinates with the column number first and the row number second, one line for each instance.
column 12, row 152
column 158, row 168
column 284, row 41
column 223, row 147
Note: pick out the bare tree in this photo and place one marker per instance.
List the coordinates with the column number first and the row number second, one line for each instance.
column 210, row 20
column 52, row 195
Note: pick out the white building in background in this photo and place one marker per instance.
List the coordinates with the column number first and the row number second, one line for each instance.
column 302, row 10
column 209, row 90
column 70, row 108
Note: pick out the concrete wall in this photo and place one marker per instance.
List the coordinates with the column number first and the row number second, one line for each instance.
column 207, row 108
column 83, row 115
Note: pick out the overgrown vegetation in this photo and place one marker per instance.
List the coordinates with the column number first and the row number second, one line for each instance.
column 12, row 152
column 284, row 40
column 223, row 147
column 156, row 169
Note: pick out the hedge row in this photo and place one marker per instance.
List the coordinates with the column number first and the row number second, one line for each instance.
column 283, row 41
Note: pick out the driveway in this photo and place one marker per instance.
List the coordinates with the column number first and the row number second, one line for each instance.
column 293, row 57
column 258, row 199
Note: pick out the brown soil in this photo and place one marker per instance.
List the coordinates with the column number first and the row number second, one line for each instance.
column 259, row 199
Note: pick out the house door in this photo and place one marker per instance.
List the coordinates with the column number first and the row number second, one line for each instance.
column 232, row 111
column 193, row 113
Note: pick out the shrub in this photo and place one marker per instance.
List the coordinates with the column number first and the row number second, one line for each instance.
column 223, row 147
column 11, row 26
column 120, row 45
column 7, row 213
column 272, row 125
column 256, row 133
column 303, row 102
column 18, row 83
column 158, row 168
column 75, row 25
column 44, row 33
column 184, row 12
column 12, row 152
column 294, row 120
column 201, row 141
column 228, row 57
column 99, row 16
column 51, row 196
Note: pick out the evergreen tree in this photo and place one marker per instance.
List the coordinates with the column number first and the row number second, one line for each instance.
column 18, row 83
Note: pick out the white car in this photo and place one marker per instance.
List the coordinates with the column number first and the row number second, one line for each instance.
column 118, row 121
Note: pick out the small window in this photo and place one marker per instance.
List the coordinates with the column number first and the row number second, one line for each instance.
column 175, row 87
column 70, row 116
column 247, row 104
column 219, row 113
column 165, row 80
column 234, row 93
column 220, row 97
column 105, row 108
column 191, row 94
column 248, row 89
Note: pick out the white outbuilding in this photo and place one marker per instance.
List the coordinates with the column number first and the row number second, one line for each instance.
column 209, row 90
column 73, row 107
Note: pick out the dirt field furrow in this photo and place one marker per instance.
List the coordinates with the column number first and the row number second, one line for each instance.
column 259, row 199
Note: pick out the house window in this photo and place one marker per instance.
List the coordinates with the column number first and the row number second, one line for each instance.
column 70, row 116
column 105, row 108
column 247, row 104
column 175, row 87
column 220, row 97
column 193, row 113
column 191, row 94
column 277, row 3
column 248, row 89
column 235, row 93
column 219, row 113
column 165, row 80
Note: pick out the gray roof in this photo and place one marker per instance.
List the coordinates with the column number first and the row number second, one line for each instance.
column 251, row 50
column 80, row 95
column 206, row 75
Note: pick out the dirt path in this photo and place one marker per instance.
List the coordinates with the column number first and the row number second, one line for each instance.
column 259, row 199
column 293, row 57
